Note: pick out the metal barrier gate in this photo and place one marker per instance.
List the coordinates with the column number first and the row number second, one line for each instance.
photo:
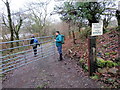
column 23, row 54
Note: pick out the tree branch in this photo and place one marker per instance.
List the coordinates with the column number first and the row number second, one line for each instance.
column 3, row 19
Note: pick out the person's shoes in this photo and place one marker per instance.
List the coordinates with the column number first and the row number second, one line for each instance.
column 61, row 58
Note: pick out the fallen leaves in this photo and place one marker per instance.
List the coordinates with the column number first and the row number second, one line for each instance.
column 107, row 49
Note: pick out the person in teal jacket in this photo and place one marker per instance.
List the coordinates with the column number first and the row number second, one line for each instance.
column 59, row 44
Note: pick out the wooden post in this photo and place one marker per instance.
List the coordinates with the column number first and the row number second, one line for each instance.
column 92, row 55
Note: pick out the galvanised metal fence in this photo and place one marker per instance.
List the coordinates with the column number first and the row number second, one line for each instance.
column 23, row 54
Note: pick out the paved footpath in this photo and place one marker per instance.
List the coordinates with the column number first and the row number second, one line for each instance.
column 49, row 73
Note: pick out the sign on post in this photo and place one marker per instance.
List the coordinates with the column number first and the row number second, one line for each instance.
column 97, row 29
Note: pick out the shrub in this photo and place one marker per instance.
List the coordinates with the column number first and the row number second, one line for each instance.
column 95, row 77
column 100, row 62
column 107, row 54
column 81, row 61
column 110, row 64
column 105, row 45
column 113, row 53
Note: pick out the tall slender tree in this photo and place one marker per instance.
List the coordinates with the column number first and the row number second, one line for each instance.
column 10, row 21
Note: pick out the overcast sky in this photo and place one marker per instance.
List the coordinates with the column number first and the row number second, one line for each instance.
column 17, row 4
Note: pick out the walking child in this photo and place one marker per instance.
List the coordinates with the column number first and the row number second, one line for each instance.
column 34, row 42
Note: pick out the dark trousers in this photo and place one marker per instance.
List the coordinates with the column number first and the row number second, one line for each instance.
column 35, row 49
column 59, row 48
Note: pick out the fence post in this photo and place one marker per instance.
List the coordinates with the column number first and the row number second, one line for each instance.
column 92, row 54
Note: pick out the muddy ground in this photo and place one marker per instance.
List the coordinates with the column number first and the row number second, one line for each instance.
column 49, row 73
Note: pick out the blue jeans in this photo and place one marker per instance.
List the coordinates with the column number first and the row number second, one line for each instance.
column 59, row 48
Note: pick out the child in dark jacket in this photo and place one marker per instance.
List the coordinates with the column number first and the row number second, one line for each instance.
column 34, row 43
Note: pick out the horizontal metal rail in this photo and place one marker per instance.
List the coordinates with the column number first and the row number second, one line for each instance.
column 22, row 52
column 23, row 46
column 28, row 55
column 26, row 39
column 52, row 53
column 25, row 61
column 24, row 57
column 23, row 64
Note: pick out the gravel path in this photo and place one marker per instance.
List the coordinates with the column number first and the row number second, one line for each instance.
column 49, row 73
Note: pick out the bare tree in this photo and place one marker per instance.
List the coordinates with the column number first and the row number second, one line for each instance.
column 16, row 29
column 9, row 21
column 38, row 16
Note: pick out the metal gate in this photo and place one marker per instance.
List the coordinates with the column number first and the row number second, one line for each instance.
column 22, row 53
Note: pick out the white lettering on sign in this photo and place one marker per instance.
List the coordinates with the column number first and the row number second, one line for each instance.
column 97, row 29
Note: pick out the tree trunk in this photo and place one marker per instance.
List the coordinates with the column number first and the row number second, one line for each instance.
column 17, row 29
column 73, row 37
column 10, row 23
column 69, row 30
column 79, row 28
column 17, row 37
column 118, row 19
